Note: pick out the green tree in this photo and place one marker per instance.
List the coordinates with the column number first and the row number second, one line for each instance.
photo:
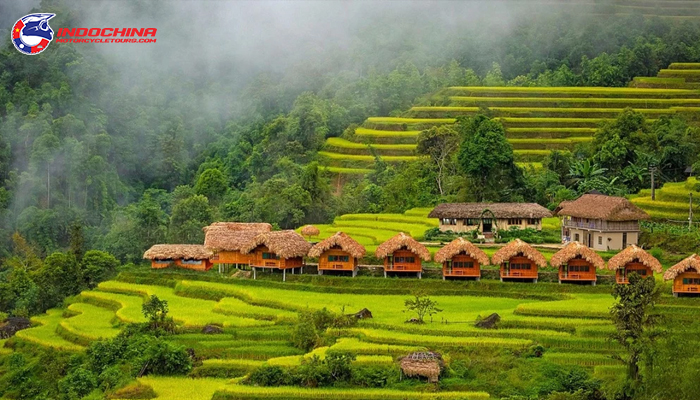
column 421, row 305
column 156, row 312
column 440, row 144
column 634, row 323
column 211, row 184
column 486, row 157
column 189, row 216
column 97, row 266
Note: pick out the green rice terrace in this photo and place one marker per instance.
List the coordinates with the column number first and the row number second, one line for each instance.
column 537, row 119
column 570, row 323
column 672, row 201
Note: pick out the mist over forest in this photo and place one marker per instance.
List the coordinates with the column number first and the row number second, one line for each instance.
column 139, row 143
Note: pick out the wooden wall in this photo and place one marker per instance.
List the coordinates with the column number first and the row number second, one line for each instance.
column 405, row 266
column 622, row 274
column 531, row 273
column 573, row 271
column 475, row 271
column 324, row 264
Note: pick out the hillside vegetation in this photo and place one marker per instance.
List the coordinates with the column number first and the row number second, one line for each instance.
column 537, row 119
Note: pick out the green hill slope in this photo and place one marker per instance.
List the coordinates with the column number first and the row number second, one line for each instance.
column 537, row 119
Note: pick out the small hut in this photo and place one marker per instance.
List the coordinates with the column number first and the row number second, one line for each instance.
column 339, row 252
column 685, row 276
column 633, row 259
column 519, row 260
column 280, row 250
column 423, row 363
column 310, row 230
column 403, row 253
column 225, row 240
column 190, row 256
column 577, row 263
column 461, row 259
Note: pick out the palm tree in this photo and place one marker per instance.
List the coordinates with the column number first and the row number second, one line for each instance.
column 586, row 170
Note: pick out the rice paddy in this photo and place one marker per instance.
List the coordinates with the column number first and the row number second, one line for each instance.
column 257, row 318
column 672, row 200
column 537, row 119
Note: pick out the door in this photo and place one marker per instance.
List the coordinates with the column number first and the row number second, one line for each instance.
column 488, row 225
column 624, row 240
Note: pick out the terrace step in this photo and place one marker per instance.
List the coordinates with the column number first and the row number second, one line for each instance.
column 342, row 146
column 574, row 102
column 690, row 75
column 569, row 92
column 549, row 133
column 536, row 112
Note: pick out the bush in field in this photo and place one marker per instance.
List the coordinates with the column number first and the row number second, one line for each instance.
column 528, row 235
column 268, row 375
column 374, row 376
column 309, row 330
column 156, row 311
column 77, row 384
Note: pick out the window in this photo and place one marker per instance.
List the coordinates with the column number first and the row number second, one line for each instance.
column 163, row 260
column 472, row 222
column 515, row 221
column 270, row 256
column 579, row 268
column 576, row 237
column 520, row 266
column 691, row 281
column 191, row 261
column 449, row 221
column 600, row 240
column 463, row 264
column 339, row 258
column 533, row 221
column 408, row 260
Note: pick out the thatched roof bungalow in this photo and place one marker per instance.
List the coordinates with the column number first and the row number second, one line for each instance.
column 460, row 258
column 601, row 222
column 489, row 217
column 403, row 253
column 191, row 256
column 226, row 239
column 633, row 259
column 277, row 250
column 577, row 263
column 685, row 276
column 339, row 252
column 519, row 260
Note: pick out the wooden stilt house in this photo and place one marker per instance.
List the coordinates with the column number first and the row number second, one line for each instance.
column 685, row 276
column 190, row 256
column 461, row 259
column 519, row 260
column 339, row 253
column 225, row 240
column 403, row 253
column 281, row 250
column 633, row 259
column 577, row 263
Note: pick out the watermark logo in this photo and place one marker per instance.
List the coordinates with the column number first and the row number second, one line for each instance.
column 32, row 34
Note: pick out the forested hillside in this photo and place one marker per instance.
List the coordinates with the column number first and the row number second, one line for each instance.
column 137, row 157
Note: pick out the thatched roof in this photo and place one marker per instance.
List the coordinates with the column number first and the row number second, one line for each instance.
column 499, row 210
column 634, row 253
column 600, row 206
column 401, row 241
column 177, row 251
column 692, row 262
column 574, row 250
column 460, row 245
column 342, row 240
column 518, row 247
column 310, row 230
column 286, row 244
column 231, row 236
column 426, row 363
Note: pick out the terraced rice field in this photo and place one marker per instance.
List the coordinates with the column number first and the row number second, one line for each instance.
column 672, row 201
column 537, row 119
column 257, row 318
column 373, row 229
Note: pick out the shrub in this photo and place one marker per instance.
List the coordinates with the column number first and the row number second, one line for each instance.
column 374, row 376
column 135, row 391
column 77, row 384
column 269, row 376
